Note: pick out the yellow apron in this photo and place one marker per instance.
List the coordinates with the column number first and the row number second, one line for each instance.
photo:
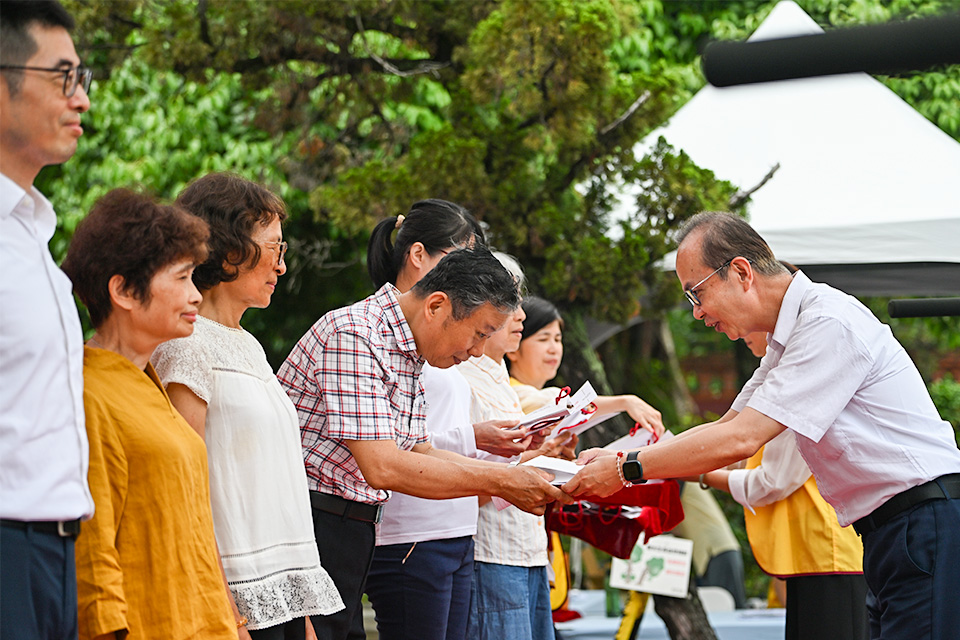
column 800, row 535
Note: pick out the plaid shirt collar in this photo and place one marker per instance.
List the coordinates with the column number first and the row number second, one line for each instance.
column 388, row 297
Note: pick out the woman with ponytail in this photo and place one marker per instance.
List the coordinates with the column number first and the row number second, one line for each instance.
column 419, row 582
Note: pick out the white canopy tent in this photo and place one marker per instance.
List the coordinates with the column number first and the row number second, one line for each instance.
column 867, row 194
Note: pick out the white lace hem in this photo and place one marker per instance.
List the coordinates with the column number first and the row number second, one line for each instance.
column 285, row 596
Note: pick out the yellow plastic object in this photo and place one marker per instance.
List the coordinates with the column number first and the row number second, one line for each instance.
column 560, row 585
column 632, row 615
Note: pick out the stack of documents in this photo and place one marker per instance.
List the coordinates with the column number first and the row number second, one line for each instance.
column 569, row 412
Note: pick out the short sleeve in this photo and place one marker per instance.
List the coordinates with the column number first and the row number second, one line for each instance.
column 823, row 365
column 185, row 361
column 353, row 382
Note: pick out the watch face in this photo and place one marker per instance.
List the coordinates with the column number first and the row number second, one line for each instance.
column 632, row 470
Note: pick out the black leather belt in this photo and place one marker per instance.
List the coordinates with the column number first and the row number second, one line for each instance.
column 907, row 499
column 346, row 508
column 62, row 528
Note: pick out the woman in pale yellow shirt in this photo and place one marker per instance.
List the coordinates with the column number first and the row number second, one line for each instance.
column 147, row 564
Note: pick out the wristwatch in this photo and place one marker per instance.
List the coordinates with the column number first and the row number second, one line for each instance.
column 632, row 469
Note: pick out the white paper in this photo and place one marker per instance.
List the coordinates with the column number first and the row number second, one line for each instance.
column 585, row 423
column 562, row 469
column 641, row 438
column 660, row 566
column 543, row 418
column 580, row 400
column 566, row 412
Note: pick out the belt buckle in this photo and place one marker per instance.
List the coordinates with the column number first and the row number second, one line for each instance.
column 62, row 531
column 379, row 515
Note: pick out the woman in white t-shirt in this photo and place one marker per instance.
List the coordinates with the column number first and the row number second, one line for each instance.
column 422, row 569
column 219, row 379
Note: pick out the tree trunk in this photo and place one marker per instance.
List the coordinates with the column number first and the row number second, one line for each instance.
column 682, row 399
column 685, row 617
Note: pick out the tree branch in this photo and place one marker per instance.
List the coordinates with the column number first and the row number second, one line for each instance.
column 422, row 67
column 741, row 196
column 204, row 24
column 626, row 114
column 575, row 166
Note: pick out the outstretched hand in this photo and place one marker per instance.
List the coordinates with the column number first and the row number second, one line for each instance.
column 561, row 446
column 644, row 415
column 598, row 477
column 529, row 489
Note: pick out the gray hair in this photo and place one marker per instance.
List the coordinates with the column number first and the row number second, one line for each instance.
column 724, row 236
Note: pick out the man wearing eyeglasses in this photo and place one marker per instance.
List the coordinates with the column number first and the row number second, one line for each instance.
column 43, row 442
column 863, row 420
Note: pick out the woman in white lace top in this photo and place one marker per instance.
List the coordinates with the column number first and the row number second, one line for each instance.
column 219, row 379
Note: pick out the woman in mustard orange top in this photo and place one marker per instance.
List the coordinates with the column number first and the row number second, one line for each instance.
column 147, row 561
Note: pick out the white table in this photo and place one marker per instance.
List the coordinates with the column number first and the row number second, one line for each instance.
column 744, row 624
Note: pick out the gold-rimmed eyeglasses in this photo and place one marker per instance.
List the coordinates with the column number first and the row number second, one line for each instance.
column 72, row 76
column 281, row 247
column 691, row 296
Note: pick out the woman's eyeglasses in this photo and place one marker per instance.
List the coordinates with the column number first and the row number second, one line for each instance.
column 282, row 246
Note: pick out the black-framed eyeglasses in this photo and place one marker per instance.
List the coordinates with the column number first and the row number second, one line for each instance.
column 72, row 76
column 282, row 247
column 691, row 296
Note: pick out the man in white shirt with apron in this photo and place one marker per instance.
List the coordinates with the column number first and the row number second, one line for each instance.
column 863, row 419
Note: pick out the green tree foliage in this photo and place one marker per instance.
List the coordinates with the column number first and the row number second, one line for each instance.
column 946, row 395
column 523, row 110
column 503, row 106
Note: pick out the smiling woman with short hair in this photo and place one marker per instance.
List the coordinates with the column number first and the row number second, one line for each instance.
column 147, row 561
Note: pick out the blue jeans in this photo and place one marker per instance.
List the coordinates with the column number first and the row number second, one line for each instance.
column 509, row 603
column 38, row 585
column 422, row 591
column 912, row 568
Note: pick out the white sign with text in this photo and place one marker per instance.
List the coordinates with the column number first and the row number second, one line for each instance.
column 661, row 566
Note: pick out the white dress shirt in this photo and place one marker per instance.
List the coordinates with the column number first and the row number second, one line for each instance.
column 43, row 439
column 511, row 536
column 409, row 519
column 864, row 421
column 781, row 472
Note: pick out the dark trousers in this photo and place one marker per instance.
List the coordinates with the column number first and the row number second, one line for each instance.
column 38, row 586
column 828, row 606
column 422, row 592
column 295, row 629
column 912, row 568
column 346, row 549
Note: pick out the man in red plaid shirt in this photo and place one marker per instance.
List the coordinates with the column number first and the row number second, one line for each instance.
column 355, row 380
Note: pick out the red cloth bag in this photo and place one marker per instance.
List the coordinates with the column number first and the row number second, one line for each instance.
column 601, row 522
